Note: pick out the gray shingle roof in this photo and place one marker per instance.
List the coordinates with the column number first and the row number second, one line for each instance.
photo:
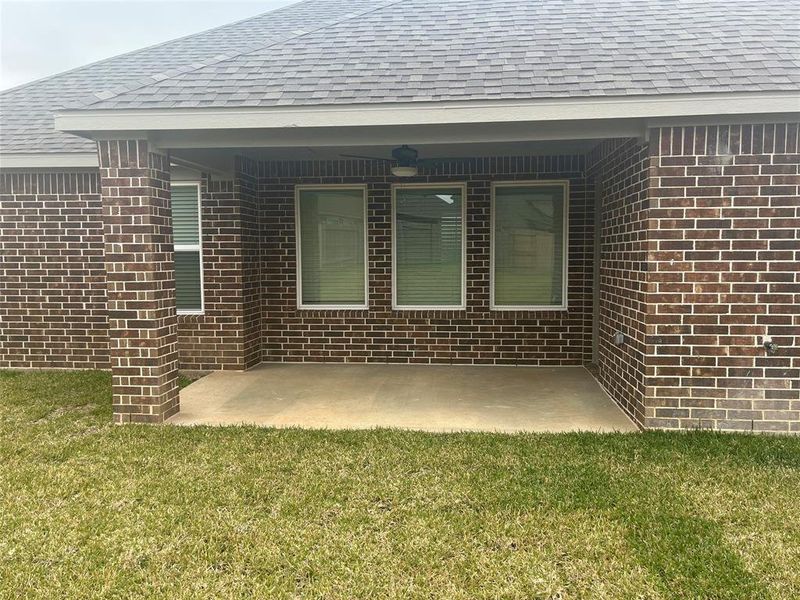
column 333, row 52
column 26, row 112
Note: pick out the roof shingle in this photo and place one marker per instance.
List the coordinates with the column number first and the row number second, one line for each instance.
column 334, row 52
column 26, row 112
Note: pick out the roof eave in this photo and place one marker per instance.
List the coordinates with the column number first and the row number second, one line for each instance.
column 89, row 122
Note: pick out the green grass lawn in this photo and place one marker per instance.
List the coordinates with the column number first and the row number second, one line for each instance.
column 88, row 509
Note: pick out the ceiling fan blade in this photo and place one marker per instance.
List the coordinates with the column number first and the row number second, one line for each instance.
column 367, row 157
column 432, row 162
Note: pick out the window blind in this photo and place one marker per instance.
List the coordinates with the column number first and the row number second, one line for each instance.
column 185, row 215
column 529, row 260
column 188, row 252
column 428, row 246
column 187, row 280
column 332, row 230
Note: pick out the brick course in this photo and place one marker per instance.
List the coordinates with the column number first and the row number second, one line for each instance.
column 52, row 276
column 226, row 335
column 476, row 335
column 53, row 307
column 140, row 279
column 724, row 254
column 699, row 258
column 620, row 170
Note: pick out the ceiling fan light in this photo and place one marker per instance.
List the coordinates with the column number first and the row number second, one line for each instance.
column 404, row 171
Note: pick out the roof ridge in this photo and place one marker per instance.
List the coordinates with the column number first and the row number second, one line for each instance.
column 109, row 94
column 150, row 47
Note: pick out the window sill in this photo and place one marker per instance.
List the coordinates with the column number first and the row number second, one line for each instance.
column 528, row 308
column 429, row 308
column 332, row 307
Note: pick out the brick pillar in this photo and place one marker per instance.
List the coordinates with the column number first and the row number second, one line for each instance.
column 140, row 277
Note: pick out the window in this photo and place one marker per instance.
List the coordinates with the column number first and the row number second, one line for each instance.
column 331, row 247
column 529, row 251
column 187, row 237
column 429, row 246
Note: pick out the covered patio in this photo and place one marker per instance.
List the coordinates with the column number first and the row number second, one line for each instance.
column 437, row 398
column 455, row 273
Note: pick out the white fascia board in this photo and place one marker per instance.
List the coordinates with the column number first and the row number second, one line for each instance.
column 49, row 160
column 394, row 135
column 428, row 113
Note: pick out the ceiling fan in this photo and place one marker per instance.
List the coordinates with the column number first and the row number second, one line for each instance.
column 406, row 160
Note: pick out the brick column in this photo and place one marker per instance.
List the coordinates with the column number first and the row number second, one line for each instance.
column 140, row 276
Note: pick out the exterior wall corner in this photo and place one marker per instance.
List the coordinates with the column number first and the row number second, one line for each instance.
column 140, row 280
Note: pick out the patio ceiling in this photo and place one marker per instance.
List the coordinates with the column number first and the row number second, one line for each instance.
column 221, row 159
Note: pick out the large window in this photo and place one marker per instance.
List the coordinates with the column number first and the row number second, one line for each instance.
column 429, row 246
column 529, row 233
column 331, row 247
column 187, row 238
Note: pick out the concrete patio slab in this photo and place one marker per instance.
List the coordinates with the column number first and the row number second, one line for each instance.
column 425, row 397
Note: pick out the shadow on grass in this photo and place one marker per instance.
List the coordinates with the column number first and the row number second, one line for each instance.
column 685, row 553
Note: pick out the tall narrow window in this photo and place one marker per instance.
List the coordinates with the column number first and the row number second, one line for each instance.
column 429, row 246
column 331, row 247
column 529, row 245
column 188, row 247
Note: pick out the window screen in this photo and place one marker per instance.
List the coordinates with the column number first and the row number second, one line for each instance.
column 332, row 230
column 188, row 252
column 429, row 244
column 529, row 260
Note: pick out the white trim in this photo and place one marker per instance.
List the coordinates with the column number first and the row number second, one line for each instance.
column 390, row 136
column 564, row 252
column 298, row 261
column 193, row 247
column 455, row 184
column 428, row 113
column 49, row 160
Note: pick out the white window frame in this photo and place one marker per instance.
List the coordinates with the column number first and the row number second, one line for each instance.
column 194, row 247
column 439, row 185
column 564, row 253
column 299, row 266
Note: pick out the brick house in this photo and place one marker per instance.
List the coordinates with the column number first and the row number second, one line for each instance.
column 600, row 183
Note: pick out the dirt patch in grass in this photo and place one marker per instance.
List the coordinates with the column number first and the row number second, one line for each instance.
column 65, row 410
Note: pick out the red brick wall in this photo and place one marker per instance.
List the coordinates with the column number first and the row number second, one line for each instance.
column 53, row 311
column 699, row 258
column 247, row 192
column 724, row 229
column 52, row 276
column 140, row 280
column 380, row 334
column 620, row 171
column 223, row 337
